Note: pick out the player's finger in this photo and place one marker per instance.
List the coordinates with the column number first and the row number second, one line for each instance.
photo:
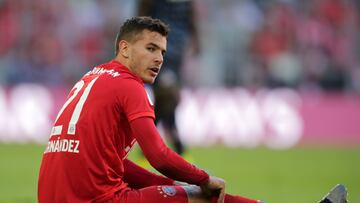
column 222, row 196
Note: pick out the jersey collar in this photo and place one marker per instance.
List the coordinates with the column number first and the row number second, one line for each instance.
column 123, row 68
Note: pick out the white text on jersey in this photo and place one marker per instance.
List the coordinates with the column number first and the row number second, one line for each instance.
column 100, row 71
column 63, row 145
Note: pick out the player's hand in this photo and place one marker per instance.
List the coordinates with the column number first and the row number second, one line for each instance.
column 214, row 186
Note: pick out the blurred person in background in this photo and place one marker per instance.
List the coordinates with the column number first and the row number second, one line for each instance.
column 180, row 15
column 106, row 113
column 312, row 45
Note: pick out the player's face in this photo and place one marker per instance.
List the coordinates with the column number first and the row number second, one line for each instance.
column 147, row 55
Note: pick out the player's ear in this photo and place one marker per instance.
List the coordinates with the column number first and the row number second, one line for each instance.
column 124, row 48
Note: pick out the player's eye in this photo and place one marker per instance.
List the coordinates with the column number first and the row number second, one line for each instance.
column 152, row 49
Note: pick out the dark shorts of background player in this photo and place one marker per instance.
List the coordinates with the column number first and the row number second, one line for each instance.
column 166, row 100
column 158, row 194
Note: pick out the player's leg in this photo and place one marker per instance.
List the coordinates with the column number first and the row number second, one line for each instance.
column 167, row 95
column 158, row 194
column 172, row 132
column 180, row 194
column 196, row 196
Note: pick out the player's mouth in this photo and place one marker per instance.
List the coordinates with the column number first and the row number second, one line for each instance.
column 154, row 71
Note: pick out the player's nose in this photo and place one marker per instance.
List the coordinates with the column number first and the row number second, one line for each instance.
column 159, row 59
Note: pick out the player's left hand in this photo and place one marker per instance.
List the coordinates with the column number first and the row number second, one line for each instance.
column 215, row 186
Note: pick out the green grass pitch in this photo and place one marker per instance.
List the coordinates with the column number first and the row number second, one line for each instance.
column 300, row 175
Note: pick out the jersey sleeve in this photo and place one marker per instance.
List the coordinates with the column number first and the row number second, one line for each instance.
column 135, row 101
column 138, row 177
column 161, row 157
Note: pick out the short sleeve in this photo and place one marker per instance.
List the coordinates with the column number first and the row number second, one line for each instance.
column 135, row 101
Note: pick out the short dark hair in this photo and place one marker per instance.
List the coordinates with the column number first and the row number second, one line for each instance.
column 136, row 25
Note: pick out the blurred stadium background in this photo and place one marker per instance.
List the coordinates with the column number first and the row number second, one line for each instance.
column 272, row 103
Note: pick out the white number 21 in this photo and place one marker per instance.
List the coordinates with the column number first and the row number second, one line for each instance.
column 56, row 130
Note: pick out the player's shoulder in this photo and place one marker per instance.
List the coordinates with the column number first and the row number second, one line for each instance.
column 116, row 72
column 106, row 69
column 130, row 83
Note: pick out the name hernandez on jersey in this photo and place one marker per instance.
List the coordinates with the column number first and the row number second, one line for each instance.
column 63, row 145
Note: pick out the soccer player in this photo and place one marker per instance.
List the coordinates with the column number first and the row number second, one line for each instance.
column 106, row 112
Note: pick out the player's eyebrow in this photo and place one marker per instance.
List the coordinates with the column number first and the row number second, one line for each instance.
column 163, row 51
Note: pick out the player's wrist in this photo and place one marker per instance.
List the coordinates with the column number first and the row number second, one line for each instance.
column 179, row 183
column 205, row 182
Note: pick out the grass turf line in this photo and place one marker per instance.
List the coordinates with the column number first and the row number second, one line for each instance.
column 300, row 175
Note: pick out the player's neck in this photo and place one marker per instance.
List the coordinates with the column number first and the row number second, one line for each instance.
column 122, row 60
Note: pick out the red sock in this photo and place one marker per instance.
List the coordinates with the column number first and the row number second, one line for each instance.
column 235, row 199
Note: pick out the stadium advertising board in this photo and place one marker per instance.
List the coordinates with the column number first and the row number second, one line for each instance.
column 277, row 118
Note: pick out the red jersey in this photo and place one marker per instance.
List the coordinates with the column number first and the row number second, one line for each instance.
column 92, row 135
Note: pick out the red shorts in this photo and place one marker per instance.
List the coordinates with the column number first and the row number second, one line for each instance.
column 156, row 194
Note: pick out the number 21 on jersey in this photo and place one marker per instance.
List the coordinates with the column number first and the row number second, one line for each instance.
column 82, row 90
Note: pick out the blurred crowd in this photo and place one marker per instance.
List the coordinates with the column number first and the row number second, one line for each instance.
column 54, row 42
column 310, row 45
